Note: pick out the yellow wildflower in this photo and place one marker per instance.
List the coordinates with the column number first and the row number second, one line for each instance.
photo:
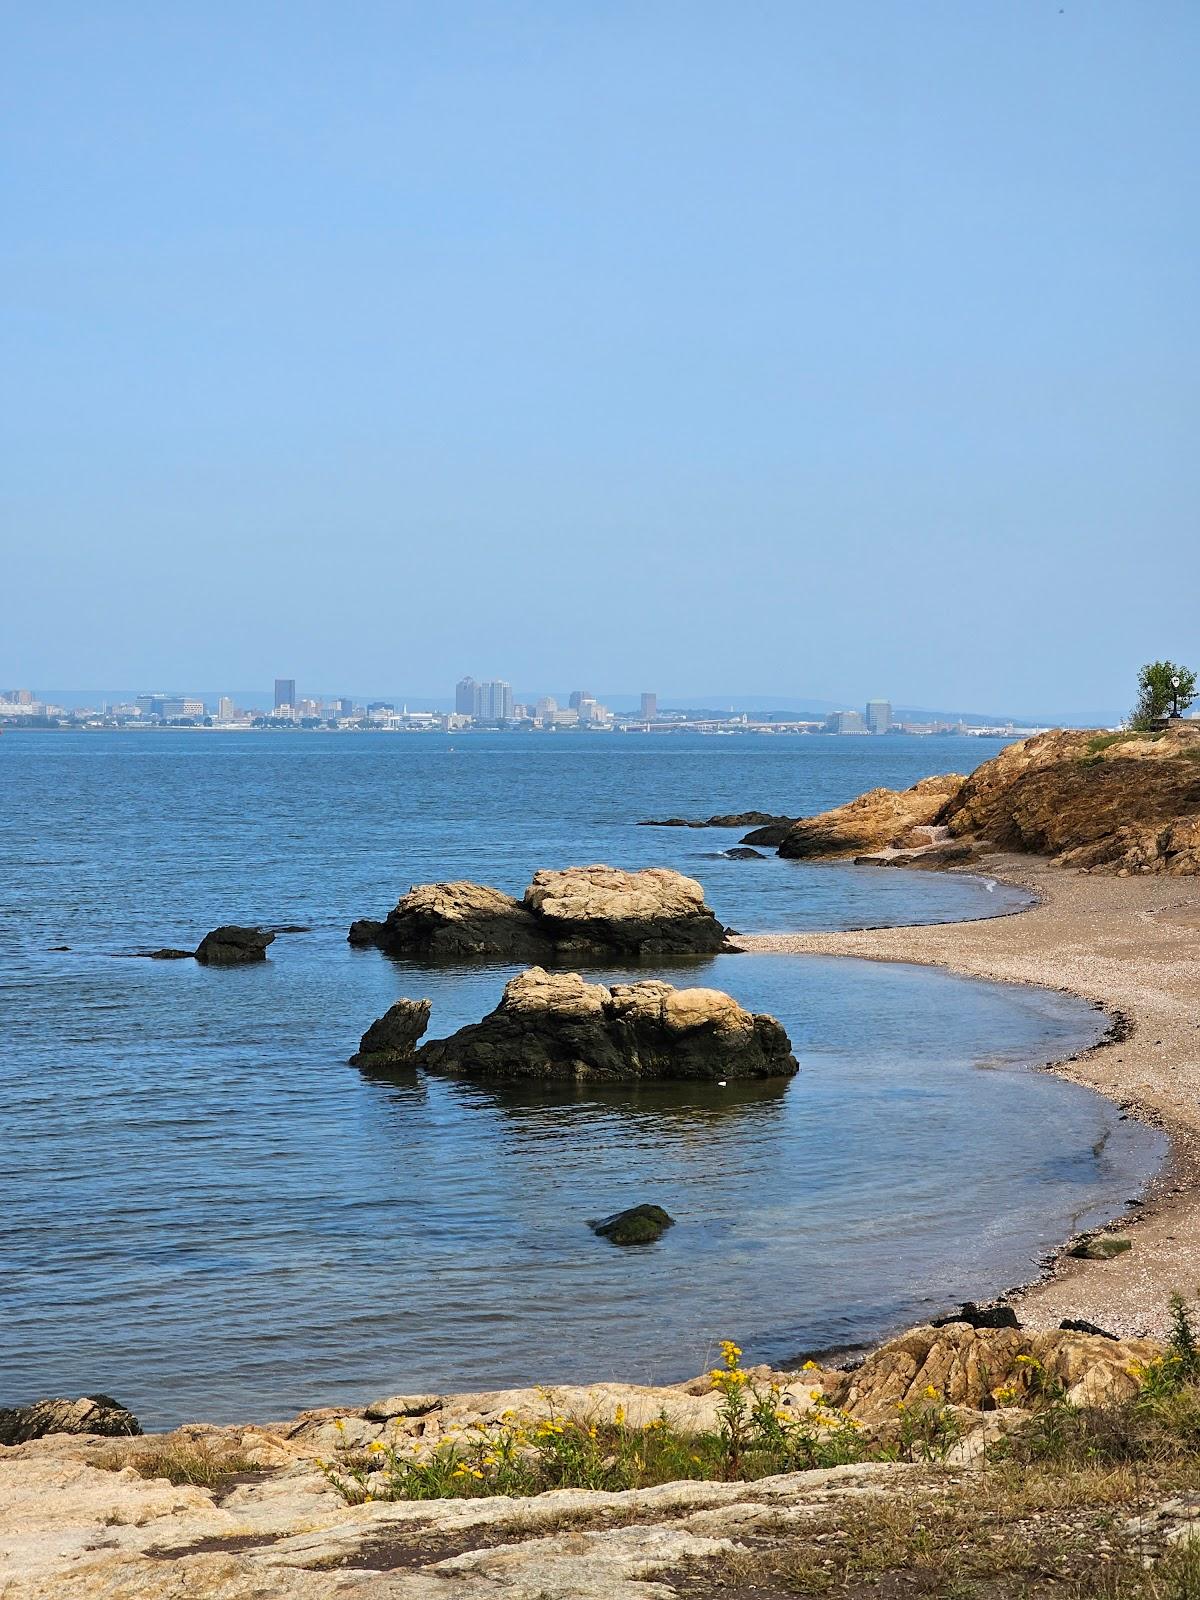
column 619, row 1416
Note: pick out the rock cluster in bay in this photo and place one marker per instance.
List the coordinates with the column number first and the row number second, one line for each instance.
column 579, row 911
column 553, row 1025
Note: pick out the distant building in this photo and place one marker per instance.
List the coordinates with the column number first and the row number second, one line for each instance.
column 879, row 716
column 285, row 693
column 545, row 709
column 19, row 697
column 344, row 706
column 649, row 708
column 181, row 706
column 466, row 697
column 226, row 710
column 578, row 696
column 846, row 722
column 495, row 701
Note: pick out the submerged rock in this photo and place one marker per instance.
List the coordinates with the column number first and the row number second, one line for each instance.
column 167, row 953
column 98, row 1414
column 730, row 819
column 644, row 1224
column 743, row 852
column 554, row 1025
column 577, row 911
column 391, row 1040
column 229, row 946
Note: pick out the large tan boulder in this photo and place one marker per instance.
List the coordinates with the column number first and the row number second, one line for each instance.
column 981, row 1368
column 554, row 1025
column 881, row 819
column 651, row 912
column 447, row 921
column 563, row 914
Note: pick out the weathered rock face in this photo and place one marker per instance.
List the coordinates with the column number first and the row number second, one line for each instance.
column 447, row 921
column 581, row 910
column 391, row 1040
column 554, row 1025
column 652, row 912
column 92, row 1414
column 1130, row 804
column 967, row 1366
column 881, row 819
column 229, row 946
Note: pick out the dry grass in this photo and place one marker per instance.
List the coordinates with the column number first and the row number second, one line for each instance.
column 208, row 1464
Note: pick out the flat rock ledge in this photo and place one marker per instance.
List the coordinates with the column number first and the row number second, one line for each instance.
column 562, row 915
column 86, row 1518
column 553, row 1025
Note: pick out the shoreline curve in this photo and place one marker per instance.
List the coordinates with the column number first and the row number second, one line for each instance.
column 1131, row 947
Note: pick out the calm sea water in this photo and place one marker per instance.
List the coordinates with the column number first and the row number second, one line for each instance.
column 206, row 1212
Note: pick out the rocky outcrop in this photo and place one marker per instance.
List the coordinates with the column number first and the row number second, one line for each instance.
column 981, row 1368
column 231, row 946
column 391, row 1040
column 651, row 912
column 563, row 914
column 644, row 1224
column 728, row 819
column 881, row 819
column 92, row 1414
column 1114, row 803
column 554, row 1026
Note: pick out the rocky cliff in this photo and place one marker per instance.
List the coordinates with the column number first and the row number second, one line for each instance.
column 1123, row 803
column 1110, row 802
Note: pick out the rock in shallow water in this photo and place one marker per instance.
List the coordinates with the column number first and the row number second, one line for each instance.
column 391, row 1040
column 644, row 1224
column 230, row 946
column 554, row 1025
column 578, row 911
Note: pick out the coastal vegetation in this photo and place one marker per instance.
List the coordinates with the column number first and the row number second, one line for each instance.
column 1163, row 688
column 1066, row 1502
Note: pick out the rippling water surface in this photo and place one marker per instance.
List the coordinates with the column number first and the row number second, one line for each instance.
column 208, row 1213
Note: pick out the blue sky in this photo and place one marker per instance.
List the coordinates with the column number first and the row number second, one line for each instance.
column 714, row 348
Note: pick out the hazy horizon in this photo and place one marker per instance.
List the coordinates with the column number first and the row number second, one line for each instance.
column 852, row 350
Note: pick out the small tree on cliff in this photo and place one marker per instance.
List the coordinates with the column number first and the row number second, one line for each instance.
column 1159, row 692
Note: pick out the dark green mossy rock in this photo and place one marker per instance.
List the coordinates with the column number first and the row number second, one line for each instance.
column 637, row 1225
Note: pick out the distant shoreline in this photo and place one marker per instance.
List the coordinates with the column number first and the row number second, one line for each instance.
column 1128, row 945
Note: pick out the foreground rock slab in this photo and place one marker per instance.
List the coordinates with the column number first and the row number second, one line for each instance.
column 564, row 914
column 553, row 1025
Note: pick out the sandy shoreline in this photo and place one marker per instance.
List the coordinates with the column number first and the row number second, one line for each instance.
column 1131, row 945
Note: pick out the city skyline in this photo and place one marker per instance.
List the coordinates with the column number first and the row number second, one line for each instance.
column 684, row 340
